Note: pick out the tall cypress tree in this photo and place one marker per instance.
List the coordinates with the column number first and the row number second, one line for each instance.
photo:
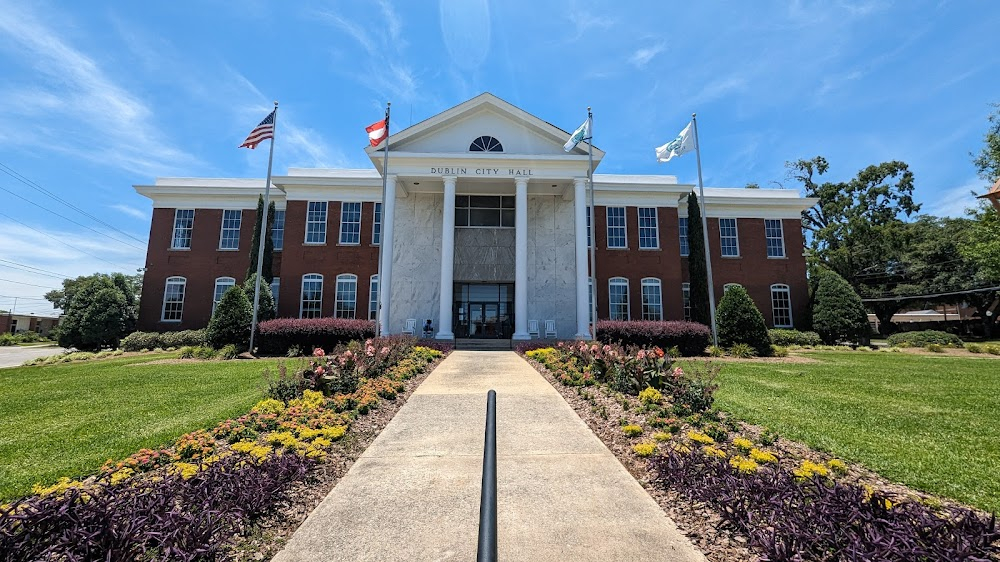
column 266, row 271
column 697, row 272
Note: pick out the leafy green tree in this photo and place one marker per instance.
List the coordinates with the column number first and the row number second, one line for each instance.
column 740, row 321
column 987, row 162
column 266, row 270
column 856, row 227
column 266, row 309
column 231, row 322
column 100, row 313
column 838, row 313
column 697, row 270
column 130, row 285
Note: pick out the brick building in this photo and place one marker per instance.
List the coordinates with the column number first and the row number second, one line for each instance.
column 487, row 226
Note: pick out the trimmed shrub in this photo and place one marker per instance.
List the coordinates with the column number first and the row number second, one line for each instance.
column 227, row 352
column 974, row 348
column 231, row 322
column 785, row 337
column 690, row 338
column 739, row 321
column 779, row 350
column 137, row 341
column 743, row 351
column 925, row 338
column 279, row 335
column 266, row 309
column 838, row 313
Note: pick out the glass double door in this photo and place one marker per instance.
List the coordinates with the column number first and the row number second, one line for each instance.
column 483, row 310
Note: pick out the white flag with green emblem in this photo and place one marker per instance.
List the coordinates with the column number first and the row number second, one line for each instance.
column 683, row 144
column 580, row 134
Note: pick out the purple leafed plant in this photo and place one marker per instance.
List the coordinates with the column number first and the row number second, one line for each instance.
column 277, row 336
column 169, row 519
column 691, row 338
column 792, row 520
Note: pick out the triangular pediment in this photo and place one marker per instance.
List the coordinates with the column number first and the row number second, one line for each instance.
column 454, row 130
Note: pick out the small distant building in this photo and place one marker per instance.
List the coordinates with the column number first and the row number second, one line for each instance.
column 993, row 195
column 16, row 323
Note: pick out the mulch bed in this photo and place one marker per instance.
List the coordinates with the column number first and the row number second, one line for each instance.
column 266, row 538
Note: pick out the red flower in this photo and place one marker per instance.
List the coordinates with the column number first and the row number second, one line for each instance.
column 318, row 352
column 659, row 352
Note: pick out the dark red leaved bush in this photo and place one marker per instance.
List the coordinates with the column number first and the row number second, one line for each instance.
column 691, row 338
column 280, row 334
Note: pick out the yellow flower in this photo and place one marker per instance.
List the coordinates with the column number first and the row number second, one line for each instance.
column 59, row 488
column 184, row 469
column 714, row 452
column 743, row 464
column 650, row 396
column 283, row 438
column 837, row 465
column 743, row 444
column 700, row 438
column 662, row 436
column 121, row 476
column 632, row 430
column 808, row 469
column 762, row 457
column 269, row 406
column 644, row 449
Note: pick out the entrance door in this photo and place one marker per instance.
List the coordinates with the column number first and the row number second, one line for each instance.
column 483, row 310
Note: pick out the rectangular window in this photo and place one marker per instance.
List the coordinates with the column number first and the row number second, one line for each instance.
column 222, row 284
column 484, row 210
column 278, row 230
column 347, row 296
column 590, row 287
column 652, row 300
column 618, row 298
column 377, row 225
column 728, row 238
column 312, row 296
column 350, row 223
column 781, row 306
column 649, row 236
column 682, row 231
column 775, row 238
column 616, row 227
column 316, row 222
column 173, row 300
column 590, row 213
column 183, row 225
column 686, row 296
column 229, row 238
column 275, row 290
column 373, row 298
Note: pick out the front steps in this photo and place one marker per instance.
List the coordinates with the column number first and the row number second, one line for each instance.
column 474, row 344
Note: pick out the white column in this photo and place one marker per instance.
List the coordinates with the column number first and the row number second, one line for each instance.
column 521, row 261
column 582, row 264
column 447, row 260
column 385, row 280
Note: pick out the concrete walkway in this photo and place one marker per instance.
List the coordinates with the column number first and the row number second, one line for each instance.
column 414, row 494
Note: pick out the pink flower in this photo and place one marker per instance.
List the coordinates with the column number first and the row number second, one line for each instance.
column 607, row 348
column 370, row 350
column 594, row 348
column 384, row 350
column 318, row 352
column 320, row 370
column 641, row 355
column 678, row 372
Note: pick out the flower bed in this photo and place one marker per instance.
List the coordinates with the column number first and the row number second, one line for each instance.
column 188, row 500
column 740, row 492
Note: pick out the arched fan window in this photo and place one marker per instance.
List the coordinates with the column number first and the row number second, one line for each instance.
column 486, row 144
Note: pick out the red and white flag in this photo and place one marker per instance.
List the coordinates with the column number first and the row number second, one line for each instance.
column 261, row 132
column 377, row 132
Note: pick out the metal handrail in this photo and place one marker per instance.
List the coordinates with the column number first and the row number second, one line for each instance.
column 488, row 498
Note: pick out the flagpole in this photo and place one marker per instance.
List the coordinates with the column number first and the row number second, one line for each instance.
column 592, row 279
column 704, row 231
column 381, row 227
column 263, row 232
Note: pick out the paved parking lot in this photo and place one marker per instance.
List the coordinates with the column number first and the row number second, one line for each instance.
column 12, row 356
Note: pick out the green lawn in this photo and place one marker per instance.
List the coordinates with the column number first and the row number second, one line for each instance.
column 67, row 419
column 930, row 422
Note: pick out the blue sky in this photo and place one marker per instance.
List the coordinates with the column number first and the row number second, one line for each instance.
column 99, row 96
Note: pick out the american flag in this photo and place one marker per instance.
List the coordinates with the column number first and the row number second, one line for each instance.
column 261, row 132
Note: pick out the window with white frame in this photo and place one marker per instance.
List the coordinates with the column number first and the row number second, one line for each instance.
column 222, row 284
column 275, row 289
column 590, row 213
column 682, row 233
column 278, row 230
column 590, row 287
column 316, row 222
column 312, row 296
column 727, row 286
column 173, row 299
column 649, row 235
column 229, row 238
column 686, row 297
column 350, row 223
column 775, row 238
column 373, row 298
column 728, row 238
column 781, row 305
column 652, row 299
column 616, row 227
column 377, row 225
column 618, row 298
column 346, row 303
column 183, row 225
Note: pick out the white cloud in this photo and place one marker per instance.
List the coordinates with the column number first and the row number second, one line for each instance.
column 584, row 21
column 642, row 56
column 113, row 126
column 953, row 201
column 131, row 211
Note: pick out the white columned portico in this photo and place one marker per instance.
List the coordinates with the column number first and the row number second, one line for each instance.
column 521, row 261
column 582, row 265
column 385, row 279
column 447, row 260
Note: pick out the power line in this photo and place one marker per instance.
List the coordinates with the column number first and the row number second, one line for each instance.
column 28, row 284
column 912, row 297
column 16, row 175
column 105, row 234
column 29, row 268
column 23, row 298
column 67, row 244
